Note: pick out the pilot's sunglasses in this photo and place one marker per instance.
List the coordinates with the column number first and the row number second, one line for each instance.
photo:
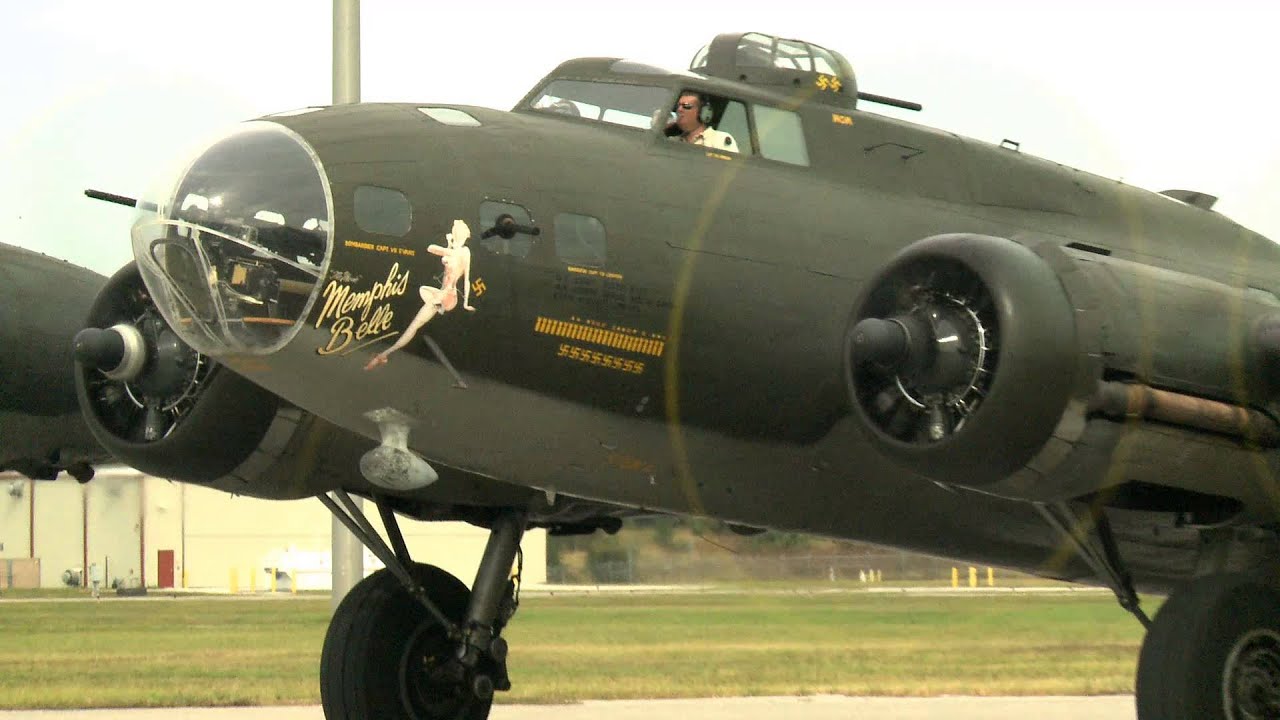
column 687, row 106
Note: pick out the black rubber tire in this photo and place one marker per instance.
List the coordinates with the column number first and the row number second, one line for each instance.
column 1184, row 658
column 366, row 663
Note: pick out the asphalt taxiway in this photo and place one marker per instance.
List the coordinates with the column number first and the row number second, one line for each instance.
column 814, row 707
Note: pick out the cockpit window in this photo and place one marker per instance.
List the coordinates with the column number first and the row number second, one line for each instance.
column 755, row 50
column 780, row 134
column 700, row 59
column 793, row 55
column 824, row 61
column 763, row 51
column 733, row 120
column 615, row 103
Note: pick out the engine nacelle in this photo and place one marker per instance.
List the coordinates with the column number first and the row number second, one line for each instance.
column 161, row 407
column 963, row 357
column 1020, row 369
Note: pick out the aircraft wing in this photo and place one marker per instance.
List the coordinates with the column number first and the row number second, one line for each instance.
column 43, row 301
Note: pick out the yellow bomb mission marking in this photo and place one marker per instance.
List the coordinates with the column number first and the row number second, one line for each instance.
column 599, row 336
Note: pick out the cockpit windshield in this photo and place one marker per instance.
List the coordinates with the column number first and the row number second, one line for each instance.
column 636, row 106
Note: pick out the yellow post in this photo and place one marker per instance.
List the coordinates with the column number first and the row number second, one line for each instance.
column 955, row 577
column 973, row 576
column 293, row 582
column 234, row 587
column 184, row 578
column 991, row 577
column 273, row 580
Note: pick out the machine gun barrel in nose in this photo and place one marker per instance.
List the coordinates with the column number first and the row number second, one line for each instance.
column 120, row 199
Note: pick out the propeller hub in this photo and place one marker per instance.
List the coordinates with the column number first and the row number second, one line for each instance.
column 921, row 360
column 951, row 337
column 882, row 342
column 172, row 367
column 118, row 351
column 137, row 374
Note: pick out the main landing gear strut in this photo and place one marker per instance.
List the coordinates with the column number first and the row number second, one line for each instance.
column 410, row 641
column 1213, row 650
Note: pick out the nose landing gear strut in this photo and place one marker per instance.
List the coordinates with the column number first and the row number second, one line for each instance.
column 411, row 641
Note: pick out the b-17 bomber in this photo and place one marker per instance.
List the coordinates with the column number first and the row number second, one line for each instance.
column 736, row 292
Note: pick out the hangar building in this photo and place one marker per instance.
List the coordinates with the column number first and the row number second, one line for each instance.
column 174, row 535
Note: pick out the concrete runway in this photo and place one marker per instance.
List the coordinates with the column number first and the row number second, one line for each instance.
column 817, row 707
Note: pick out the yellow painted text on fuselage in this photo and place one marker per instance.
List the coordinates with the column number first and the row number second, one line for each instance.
column 594, row 272
column 359, row 315
column 379, row 247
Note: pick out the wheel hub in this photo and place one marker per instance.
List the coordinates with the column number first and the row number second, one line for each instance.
column 433, row 681
column 1251, row 678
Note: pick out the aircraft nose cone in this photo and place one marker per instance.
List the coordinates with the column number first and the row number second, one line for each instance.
column 237, row 252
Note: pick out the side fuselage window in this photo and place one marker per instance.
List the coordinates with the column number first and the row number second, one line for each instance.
column 520, row 243
column 580, row 240
column 780, row 134
column 383, row 211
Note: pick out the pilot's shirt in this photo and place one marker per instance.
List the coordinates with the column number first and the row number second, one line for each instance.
column 715, row 140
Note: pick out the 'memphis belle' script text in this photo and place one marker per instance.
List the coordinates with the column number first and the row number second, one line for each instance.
column 359, row 315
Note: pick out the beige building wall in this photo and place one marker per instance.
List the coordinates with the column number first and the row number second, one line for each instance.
column 116, row 515
column 226, row 532
column 78, row 525
column 250, row 536
column 122, row 520
column 163, row 530
column 59, row 528
column 15, row 532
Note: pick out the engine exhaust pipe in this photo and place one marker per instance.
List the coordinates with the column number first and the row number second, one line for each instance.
column 1130, row 400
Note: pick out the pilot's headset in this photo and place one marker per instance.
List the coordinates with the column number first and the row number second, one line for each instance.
column 705, row 112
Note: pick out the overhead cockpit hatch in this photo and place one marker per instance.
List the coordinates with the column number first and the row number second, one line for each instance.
column 785, row 65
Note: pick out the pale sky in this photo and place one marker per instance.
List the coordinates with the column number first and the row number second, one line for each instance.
column 1175, row 94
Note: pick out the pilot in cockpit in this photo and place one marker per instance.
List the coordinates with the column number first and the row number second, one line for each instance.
column 692, row 124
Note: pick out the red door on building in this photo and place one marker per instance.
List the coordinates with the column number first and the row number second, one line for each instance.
column 164, row 566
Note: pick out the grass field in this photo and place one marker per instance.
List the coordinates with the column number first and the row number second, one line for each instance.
column 223, row 651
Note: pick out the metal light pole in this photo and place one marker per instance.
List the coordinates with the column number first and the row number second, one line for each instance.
column 347, row 553
column 346, row 51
